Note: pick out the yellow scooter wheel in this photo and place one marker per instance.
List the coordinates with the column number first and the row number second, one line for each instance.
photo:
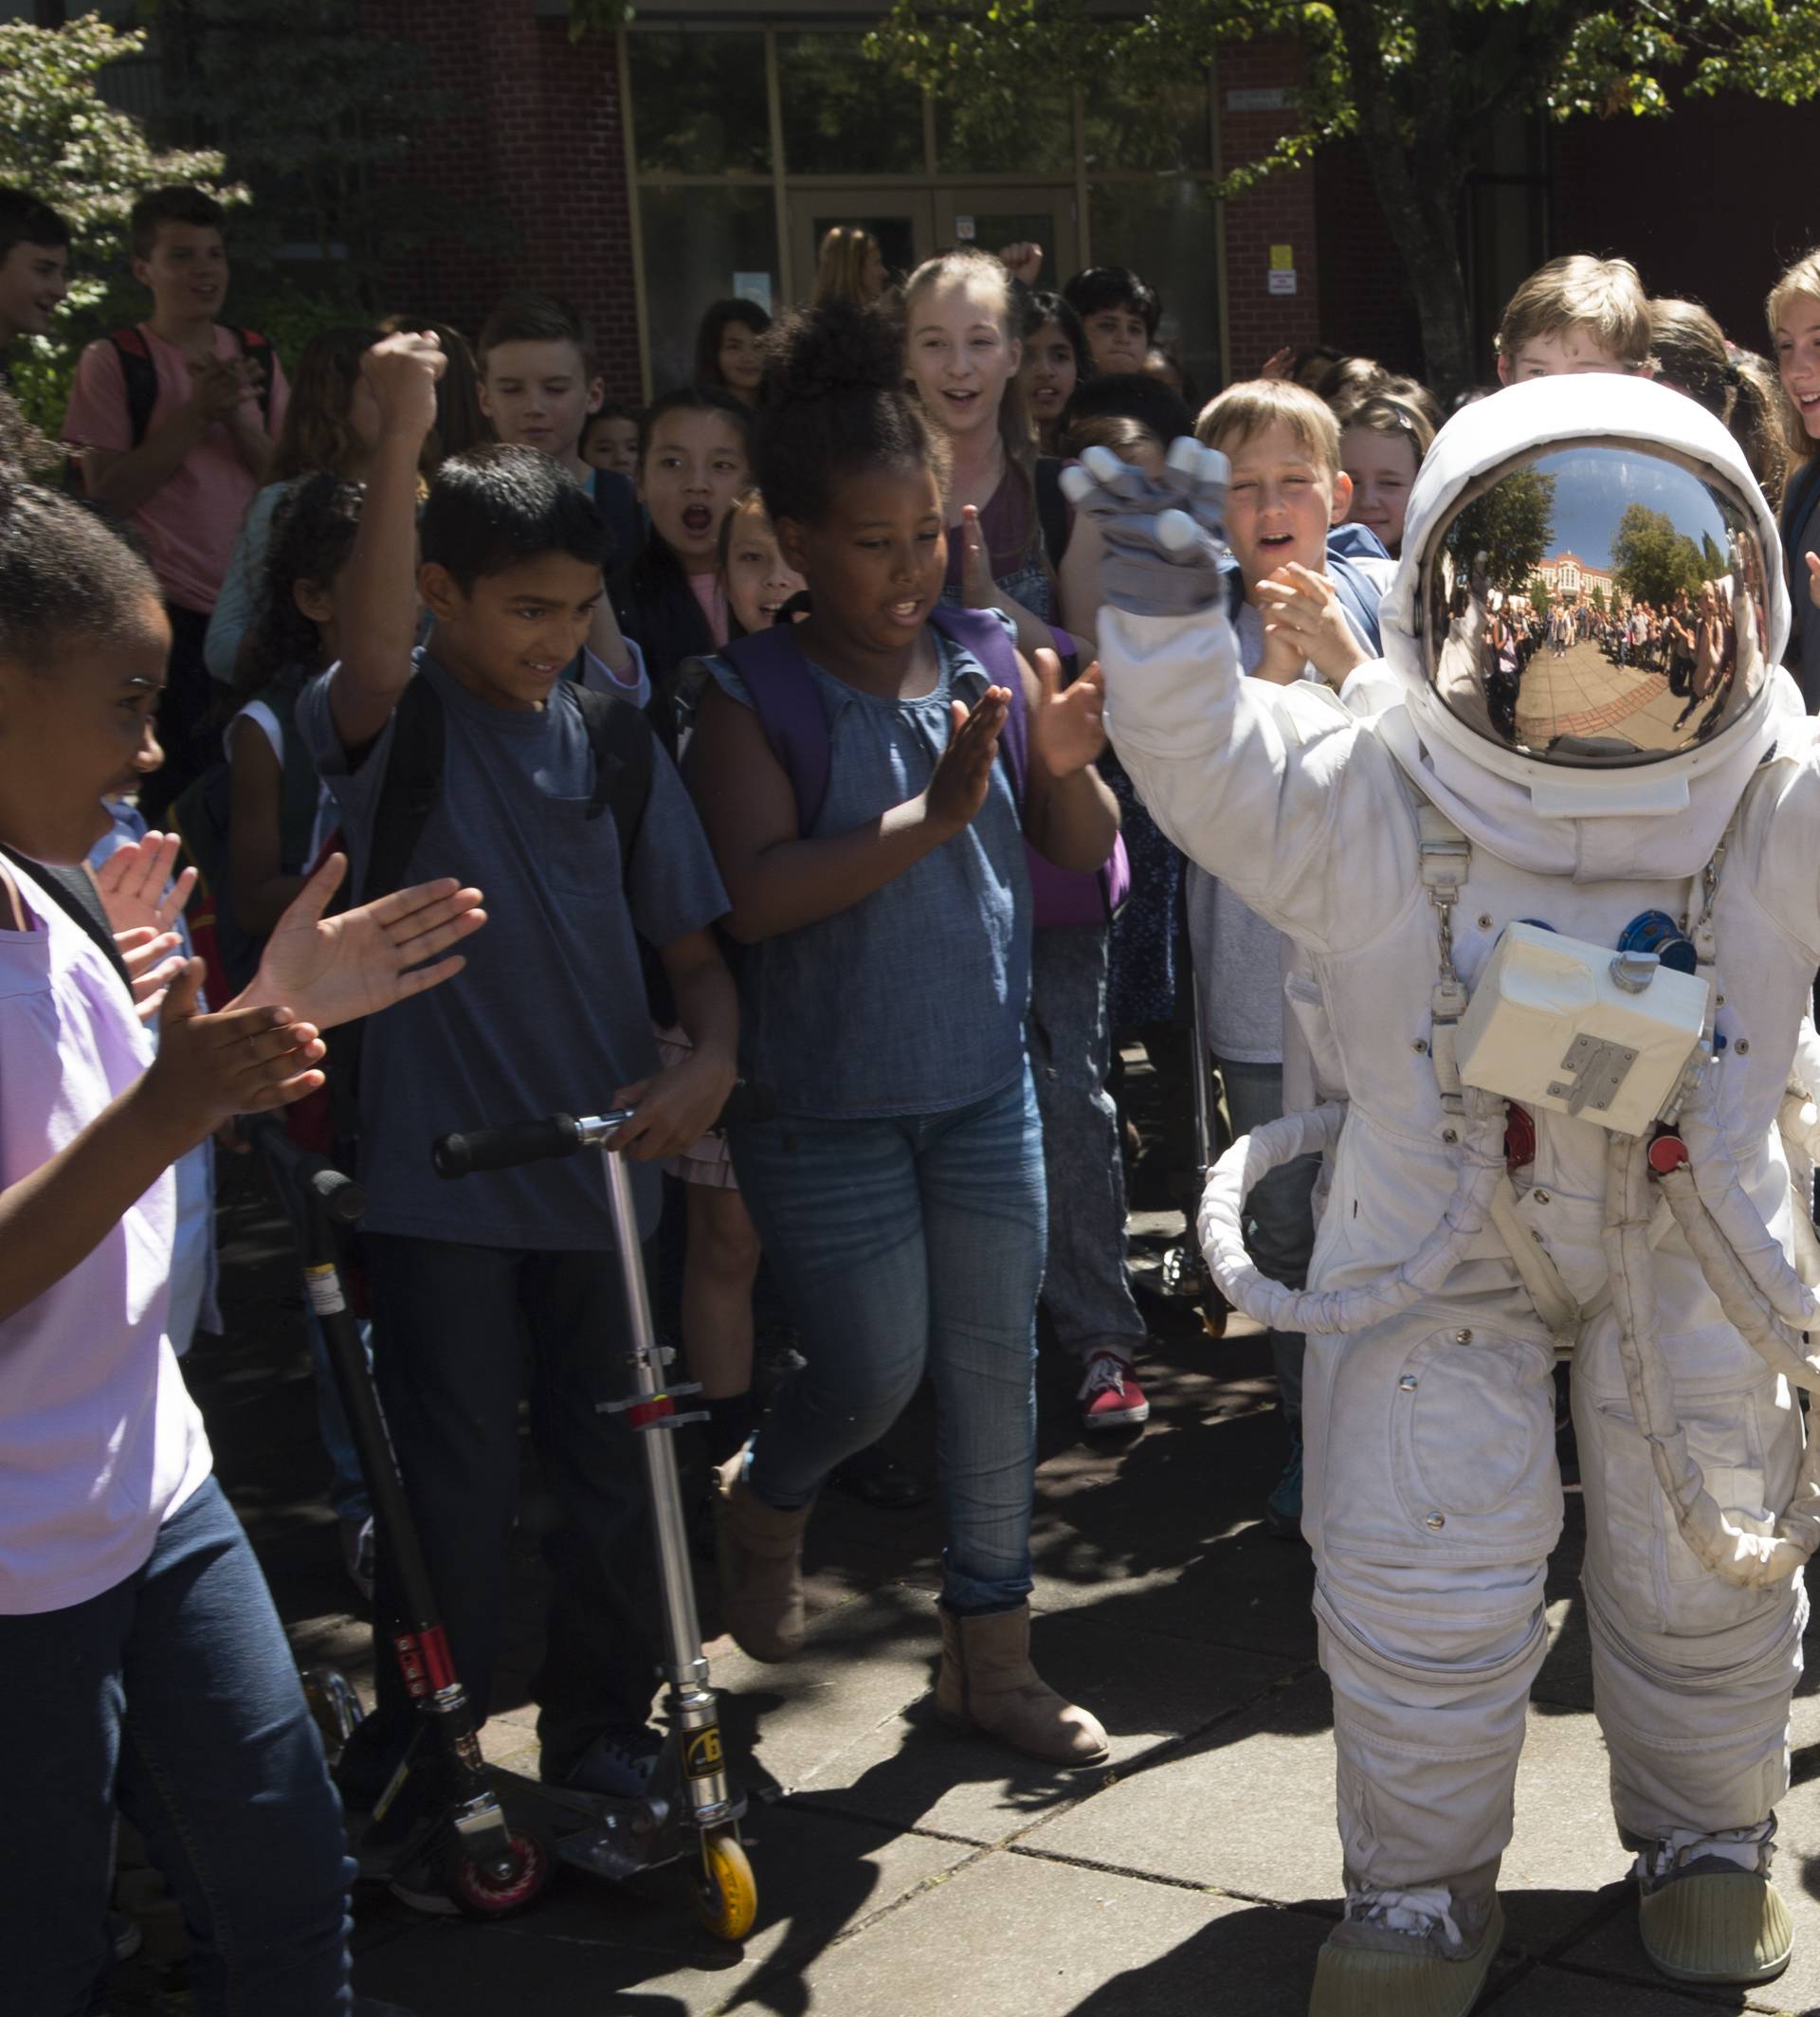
column 726, row 1896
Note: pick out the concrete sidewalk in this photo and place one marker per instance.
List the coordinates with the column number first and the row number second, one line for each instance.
column 903, row 1871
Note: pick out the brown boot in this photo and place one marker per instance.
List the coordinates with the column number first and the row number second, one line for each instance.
column 760, row 1551
column 987, row 1683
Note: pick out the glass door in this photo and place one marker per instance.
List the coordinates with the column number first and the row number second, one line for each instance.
column 901, row 221
column 989, row 218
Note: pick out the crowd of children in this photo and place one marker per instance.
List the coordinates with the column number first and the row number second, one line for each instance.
column 767, row 716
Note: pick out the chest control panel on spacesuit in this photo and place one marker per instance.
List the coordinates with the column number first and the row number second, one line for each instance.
column 1570, row 1028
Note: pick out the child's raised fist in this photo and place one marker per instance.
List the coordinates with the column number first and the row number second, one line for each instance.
column 402, row 370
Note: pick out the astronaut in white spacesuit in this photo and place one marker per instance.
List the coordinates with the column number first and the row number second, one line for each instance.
column 1555, row 947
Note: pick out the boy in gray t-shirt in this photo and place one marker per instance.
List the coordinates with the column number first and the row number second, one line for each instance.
column 1287, row 492
column 553, row 1018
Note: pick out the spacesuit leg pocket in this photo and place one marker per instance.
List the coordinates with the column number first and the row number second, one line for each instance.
column 1472, row 1440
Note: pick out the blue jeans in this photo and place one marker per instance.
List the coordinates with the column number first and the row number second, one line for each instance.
column 1085, row 1289
column 898, row 1244
column 1279, row 1215
column 173, row 1696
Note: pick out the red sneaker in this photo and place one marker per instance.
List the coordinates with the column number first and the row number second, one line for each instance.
column 1110, row 1396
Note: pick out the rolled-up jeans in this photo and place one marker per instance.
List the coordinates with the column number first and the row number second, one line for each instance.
column 1279, row 1216
column 173, row 1696
column 901, row 1244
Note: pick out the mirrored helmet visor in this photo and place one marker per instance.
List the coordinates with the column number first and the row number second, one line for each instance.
column 1601, row 605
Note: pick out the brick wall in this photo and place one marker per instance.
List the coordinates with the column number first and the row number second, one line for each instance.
column 1365, row 302
column 1280, row 212
column 533, row 156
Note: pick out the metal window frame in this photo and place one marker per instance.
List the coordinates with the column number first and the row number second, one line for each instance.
column 1077, row 183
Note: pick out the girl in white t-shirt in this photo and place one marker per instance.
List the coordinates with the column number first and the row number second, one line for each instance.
column 141, row 1664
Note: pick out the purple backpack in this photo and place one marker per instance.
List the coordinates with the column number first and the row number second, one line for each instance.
column 796, row 724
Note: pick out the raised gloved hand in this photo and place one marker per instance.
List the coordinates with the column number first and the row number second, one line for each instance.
column 1165, row 541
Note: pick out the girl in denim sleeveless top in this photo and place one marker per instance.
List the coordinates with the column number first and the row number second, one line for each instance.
column 899, row 1190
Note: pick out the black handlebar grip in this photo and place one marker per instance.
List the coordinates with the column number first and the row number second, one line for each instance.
column 528, row 1141
column 345, row 1199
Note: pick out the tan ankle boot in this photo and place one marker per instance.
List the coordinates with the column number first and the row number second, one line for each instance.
column 760, row 1551
column 987, row 1683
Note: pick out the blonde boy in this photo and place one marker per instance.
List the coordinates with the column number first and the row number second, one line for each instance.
column 1575, row 314
column 1287, row 491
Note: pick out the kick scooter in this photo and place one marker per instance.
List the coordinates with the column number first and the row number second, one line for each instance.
column 490, row 1866
column 689, row 1793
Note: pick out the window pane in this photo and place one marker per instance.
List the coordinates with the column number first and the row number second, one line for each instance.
column 1155, row 122
column 696, row 241
column 975, row 138
column 698, row 102
column 1164, row 230
column 844, row 116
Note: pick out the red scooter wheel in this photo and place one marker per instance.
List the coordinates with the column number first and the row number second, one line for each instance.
column 486, row 1896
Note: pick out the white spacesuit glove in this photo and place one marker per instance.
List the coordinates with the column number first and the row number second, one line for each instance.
column 1165, row 541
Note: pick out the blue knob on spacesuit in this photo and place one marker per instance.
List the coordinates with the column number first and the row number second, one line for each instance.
column 1656, row 932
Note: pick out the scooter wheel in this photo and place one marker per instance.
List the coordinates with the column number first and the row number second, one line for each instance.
column 486, row 1896
column 726, row 1896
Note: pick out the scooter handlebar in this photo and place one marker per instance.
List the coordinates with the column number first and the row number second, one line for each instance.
column 527, row 1141
column 559, row 1134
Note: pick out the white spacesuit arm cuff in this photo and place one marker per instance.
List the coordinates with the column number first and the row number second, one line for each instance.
column 1370, row 689
column 1170, row 680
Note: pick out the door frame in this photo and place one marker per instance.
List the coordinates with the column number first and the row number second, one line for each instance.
column 957, row 200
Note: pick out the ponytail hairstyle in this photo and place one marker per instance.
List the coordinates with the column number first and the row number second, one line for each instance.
column 837, row 407
column 312, row 537
column 1693, row 356
column 64, row 575
column 981, row 273
column 1800, row 281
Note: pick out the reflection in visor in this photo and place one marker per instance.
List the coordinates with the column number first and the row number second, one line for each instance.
column 1597, row 606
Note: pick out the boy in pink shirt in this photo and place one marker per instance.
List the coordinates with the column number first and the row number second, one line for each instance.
column 175, row 420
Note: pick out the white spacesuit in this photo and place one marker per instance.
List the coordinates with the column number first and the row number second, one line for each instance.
column 1571, row 1149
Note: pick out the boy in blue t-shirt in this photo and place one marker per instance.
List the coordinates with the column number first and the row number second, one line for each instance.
column 555, row 1020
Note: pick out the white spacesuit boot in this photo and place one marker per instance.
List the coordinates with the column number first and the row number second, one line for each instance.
column 1562, row 938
